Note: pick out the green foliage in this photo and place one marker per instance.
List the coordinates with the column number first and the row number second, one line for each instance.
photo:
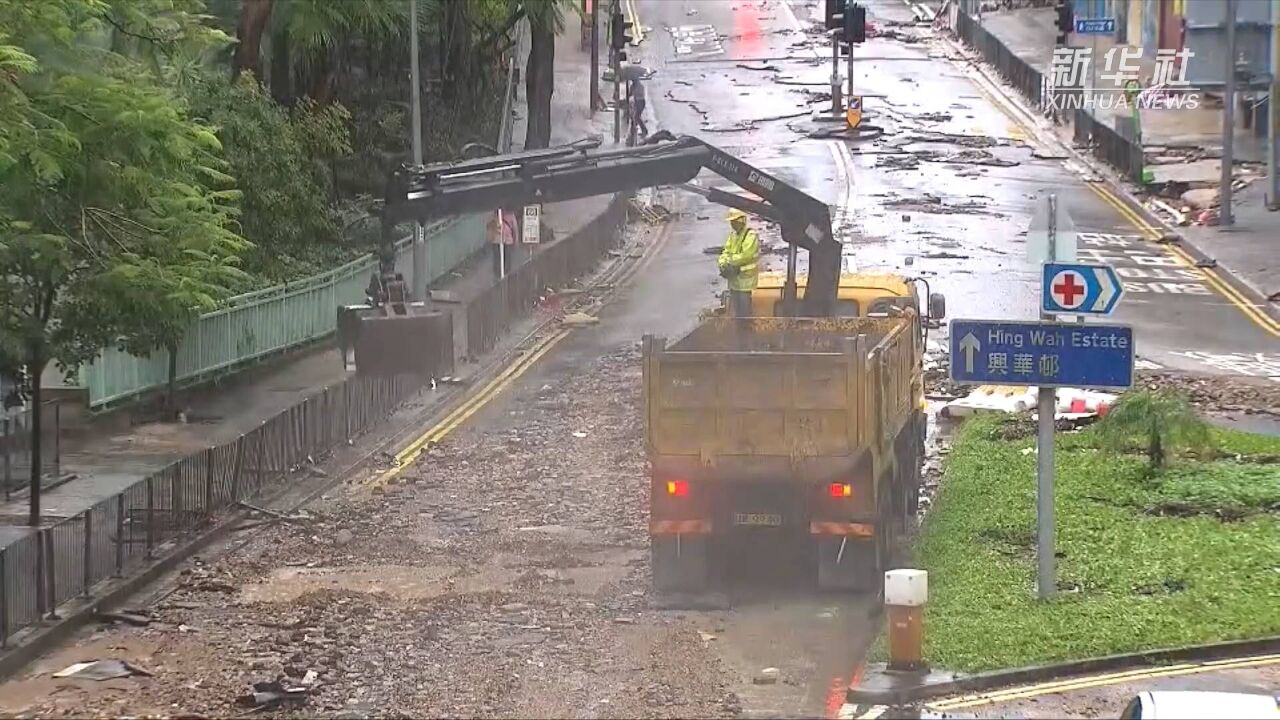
column 107, row 184
column 1161, row 421
column 1131, row 577
column 280, row 160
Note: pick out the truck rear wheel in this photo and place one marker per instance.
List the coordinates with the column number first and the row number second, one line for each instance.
column 679, row 562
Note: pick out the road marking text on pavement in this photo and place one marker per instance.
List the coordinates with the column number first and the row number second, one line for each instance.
column 696, row 41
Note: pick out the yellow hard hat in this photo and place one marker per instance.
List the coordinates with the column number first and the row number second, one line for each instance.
column 736, row 214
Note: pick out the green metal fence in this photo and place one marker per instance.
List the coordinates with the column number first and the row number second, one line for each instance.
column 268, row 321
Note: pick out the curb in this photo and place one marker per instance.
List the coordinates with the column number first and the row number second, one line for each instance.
column 1122, row 190
column 75, row 614
column 912, row 688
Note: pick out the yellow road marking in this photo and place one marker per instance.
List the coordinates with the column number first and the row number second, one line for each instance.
column 637, row 30
column 503, row 380
column 1049, row 688
column 1231, row 294
column 1144, row 227
column 471, row 406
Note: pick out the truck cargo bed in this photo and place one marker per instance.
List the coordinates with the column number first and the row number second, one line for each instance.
column 775, row 398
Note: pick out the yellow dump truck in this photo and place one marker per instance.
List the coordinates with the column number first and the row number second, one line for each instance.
column 802, row 427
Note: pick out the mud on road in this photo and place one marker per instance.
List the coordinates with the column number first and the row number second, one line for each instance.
column 504, row 574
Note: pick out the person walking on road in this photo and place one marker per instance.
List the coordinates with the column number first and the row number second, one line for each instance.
column 740, row 263
column 636, row 91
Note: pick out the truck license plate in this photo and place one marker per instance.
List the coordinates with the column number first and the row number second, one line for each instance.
column 768, row 519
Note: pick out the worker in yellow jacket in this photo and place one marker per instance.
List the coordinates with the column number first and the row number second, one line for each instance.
column 740, row 263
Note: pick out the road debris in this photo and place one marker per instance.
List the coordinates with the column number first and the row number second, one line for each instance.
column 271, row 694
column 130, row 617
column 767, row 676
column 100, row 670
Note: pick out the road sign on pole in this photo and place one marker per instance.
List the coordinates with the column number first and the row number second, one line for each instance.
column 1095, row 26
column 531, row 228
column 1080, row 289
column 1004, row 352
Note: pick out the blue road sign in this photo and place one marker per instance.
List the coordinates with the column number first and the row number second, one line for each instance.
column 1080, row 289
column 1095, row 26
column 1000, row 352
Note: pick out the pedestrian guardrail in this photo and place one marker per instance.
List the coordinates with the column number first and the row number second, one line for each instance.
column 269, row 321
column 157, row 515
column 16, row 444
column 492, row 312
column 1028, row 80
column 1109, row 145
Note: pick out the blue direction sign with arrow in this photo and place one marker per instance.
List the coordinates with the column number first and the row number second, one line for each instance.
column 1002, row 352
column 1095, row 26
column 1080, row 289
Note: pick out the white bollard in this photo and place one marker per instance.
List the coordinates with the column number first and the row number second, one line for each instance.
column 905, row 595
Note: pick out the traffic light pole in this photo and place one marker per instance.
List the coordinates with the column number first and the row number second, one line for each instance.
column 615, row 11
column 836, row 101
column 595, row 56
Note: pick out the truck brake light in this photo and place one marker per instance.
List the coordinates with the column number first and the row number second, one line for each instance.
column 841, row 490
column 677, row 488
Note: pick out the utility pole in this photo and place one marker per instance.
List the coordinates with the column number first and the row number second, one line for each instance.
column 419, row 241
column 1228, row 117
column 1273, row 115
column 1047, row 408
column 595, row 55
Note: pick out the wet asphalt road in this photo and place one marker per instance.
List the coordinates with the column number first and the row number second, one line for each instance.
column 947, row 193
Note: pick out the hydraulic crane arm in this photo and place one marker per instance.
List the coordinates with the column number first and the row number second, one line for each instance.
column 581, row 170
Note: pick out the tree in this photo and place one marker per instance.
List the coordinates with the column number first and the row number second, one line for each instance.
column 1160, row 420
column 105, row 180
column 281, row 160
column 255, row 15
column 546, row 21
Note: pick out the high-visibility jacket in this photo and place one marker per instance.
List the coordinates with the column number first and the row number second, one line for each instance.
column 742, row 250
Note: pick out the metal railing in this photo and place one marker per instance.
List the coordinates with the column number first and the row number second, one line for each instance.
column 492, row 312
column 153, row 517
column 16, row 445
column 1109, row 145
column 272, row 320
column 1018, row 72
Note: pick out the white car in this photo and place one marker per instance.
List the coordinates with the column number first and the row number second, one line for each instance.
column 1194, row 705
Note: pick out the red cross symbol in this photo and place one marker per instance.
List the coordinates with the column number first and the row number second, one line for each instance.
column 1067, row 287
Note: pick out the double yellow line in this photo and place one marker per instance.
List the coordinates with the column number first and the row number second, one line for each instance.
column 494, row 387
column 1151, row 232
column 1064, row 686
column 637, row 30
column 469, row 407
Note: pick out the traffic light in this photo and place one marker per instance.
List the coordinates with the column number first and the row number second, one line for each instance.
column 855, row 24
column 835, row 13
column 618, row 35
column 1066, row 20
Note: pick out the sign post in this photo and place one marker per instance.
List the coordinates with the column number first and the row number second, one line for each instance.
column 1047, row 355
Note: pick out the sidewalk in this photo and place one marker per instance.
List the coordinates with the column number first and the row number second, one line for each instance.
column 107, row 460
column 1182, row 147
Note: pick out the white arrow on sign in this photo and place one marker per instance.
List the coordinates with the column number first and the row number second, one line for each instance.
column 970, row 346
column 1108, row 289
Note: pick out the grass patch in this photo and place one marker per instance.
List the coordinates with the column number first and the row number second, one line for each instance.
column 1130, row 576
